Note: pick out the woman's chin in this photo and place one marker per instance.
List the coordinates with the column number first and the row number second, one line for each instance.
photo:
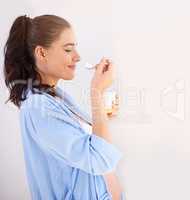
column 69, row 77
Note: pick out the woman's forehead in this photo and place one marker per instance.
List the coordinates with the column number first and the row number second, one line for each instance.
column 67, row 37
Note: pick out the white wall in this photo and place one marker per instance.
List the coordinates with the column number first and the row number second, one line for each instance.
column 149, row 43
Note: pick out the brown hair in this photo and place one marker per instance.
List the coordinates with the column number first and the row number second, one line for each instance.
column 19, row 63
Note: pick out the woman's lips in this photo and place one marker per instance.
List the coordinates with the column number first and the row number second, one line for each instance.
column 72, row 66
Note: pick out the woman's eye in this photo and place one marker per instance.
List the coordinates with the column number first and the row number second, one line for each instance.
column 67, row 50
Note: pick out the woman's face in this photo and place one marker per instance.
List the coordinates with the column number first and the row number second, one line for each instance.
column 59, row 60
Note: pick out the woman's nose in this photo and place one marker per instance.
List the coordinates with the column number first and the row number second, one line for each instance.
column 77, row 57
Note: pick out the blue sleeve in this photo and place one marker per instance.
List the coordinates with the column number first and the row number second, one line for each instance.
column 70, row 144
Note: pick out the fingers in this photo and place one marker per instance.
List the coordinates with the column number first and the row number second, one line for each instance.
column 110, row 67
column 100, row 67
column 112, row 113
column 104, row 65
column 116, row 99
column 115, row 107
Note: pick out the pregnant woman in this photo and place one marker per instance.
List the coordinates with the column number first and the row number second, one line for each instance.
column 68, row 155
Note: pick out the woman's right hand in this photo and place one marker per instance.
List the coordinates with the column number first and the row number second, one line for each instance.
column 103, row 76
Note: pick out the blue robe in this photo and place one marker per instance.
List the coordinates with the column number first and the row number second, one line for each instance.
column 63, row 162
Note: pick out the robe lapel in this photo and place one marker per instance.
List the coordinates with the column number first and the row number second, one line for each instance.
column 72, row 105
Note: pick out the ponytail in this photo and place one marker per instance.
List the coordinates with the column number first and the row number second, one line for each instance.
column 18, row 63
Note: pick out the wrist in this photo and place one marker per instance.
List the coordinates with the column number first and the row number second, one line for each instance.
column 96, row 91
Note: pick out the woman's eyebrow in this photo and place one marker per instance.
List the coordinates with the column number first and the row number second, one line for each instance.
column 70, row 44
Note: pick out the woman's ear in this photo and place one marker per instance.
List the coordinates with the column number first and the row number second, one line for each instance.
column 40, row 53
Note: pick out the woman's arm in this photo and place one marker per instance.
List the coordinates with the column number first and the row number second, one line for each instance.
column 100, row 127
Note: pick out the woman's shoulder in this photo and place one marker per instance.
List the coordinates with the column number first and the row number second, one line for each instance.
column 44, row 106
